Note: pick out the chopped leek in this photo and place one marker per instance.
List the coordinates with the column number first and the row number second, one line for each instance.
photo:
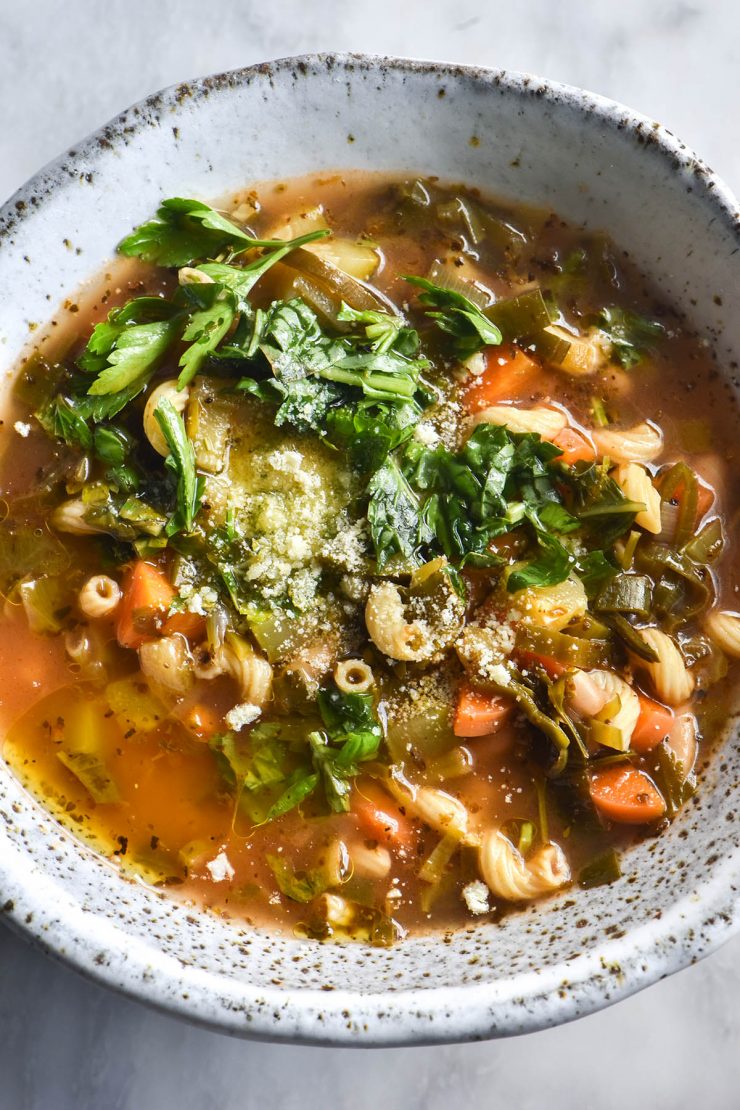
column 626, row 593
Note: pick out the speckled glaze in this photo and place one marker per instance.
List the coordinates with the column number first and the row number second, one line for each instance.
column 593, row 161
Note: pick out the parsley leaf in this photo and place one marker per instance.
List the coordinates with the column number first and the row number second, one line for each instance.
column 183, row 231
column 125, row 350
column 187, row 230
column 182, row 461
column 457, row 315
column 208, row 325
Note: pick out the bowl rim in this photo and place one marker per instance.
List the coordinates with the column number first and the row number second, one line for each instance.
column 420, row 1015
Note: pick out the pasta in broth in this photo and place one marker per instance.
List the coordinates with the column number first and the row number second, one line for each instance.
column 363, row 570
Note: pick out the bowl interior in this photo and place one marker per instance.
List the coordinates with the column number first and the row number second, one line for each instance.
column 513, row 136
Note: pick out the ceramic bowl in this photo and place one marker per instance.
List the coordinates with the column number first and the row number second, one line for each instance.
column 596, row 163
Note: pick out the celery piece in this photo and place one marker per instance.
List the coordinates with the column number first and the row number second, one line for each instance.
column 599, row 413
column 434, row 866
column 425, row 731
column 91, row 772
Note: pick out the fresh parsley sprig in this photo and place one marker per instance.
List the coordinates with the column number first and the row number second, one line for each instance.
column 457, row 315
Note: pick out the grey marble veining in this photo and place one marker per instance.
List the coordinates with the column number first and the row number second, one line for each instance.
column 64, row 1043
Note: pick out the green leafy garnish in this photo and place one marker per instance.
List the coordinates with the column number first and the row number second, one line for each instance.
column 182, row 461
column 125, row 350
column 457, row 315
column 632, row 336
column 352, row 736
column 206, row 328
column 183, row 231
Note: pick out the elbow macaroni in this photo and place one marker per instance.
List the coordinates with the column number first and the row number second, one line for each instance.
column 509, row 876
column 673, row 682
column 167, row 662
column 724, row 629
column 550, row 607
column 178, row 398
column 99, row 597
column 389, row 630
column 637, row 485
column 545, row 422
column 640, row 444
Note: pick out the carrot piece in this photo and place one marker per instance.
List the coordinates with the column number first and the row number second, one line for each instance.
column 574, row 446
column 626, row 796
column 376, row 822
column 508, row 374
column 190, row 625
column 705, row 498
column 479, row 713
column 147, row 595
column 552, row 666
column 202, row 720
column 653, row 725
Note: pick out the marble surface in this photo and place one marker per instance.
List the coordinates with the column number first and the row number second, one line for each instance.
column 65, row 1043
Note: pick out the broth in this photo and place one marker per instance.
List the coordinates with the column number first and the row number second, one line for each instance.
column 361, row 728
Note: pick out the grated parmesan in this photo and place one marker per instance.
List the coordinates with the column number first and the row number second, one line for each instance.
column 220, row 868
column 243, row 714
column 475, row 896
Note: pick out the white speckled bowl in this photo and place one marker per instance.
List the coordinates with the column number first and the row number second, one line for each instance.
column 592, row 161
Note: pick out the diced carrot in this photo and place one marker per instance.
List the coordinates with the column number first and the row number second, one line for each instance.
column 190, row 625
column 147, row 595
column 479, row 713
column 202, row 720
column 552, row 666
column 574, row 446
column 653, row 725
column 508, row 374
column 705, row 500
column 372, row 809
column 626, row 795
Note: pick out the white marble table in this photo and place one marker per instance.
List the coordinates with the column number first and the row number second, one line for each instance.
column 64, row 1043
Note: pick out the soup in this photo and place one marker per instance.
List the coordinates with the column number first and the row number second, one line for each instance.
column 367, row 558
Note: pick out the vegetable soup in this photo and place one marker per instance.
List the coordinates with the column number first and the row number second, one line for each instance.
column 367, row 557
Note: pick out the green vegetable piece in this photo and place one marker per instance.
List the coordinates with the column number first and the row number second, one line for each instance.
column 394, row 515
column 182, row 461
column 92, row 773
column 298, row 885
column 47, row 602
column 632, row 336
column 522, row 317
column 136, row 355
column 631, row 638
column 134, row 705
column 206, row 328
column 626, row 593
column 600, row 871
